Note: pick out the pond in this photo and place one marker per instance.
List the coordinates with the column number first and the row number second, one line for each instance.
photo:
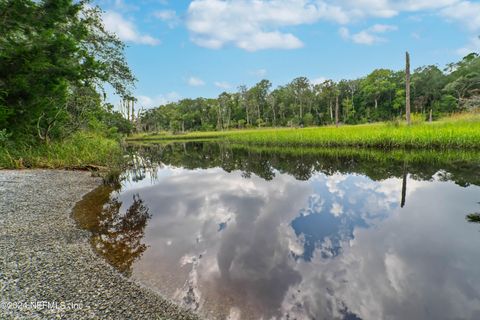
column 252, row 233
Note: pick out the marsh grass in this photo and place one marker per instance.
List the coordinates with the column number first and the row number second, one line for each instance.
column 458, row 131
column 81, row 151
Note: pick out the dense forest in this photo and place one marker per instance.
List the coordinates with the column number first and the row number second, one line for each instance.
column 55, row 58
column 380, row 96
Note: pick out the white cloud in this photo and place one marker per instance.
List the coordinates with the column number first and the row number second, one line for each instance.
column 270, row 40
column 195, row 82
column 152, row 102
column 472, row 46
column 382, row 28
column 259, row 73
column 223, row 85
column 337, row 209
column 416, row 35
column 257, row 25
column 126, row 30
column 254, row 25
column 356, row 9
column 318, row 80
column 368, row 36
column 169, row 17
column 124, row 7
column 465, row 12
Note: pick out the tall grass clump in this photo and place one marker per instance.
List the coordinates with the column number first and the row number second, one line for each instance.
column 82, row 150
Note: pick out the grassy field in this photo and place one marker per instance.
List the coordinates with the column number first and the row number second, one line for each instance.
column 82, row 150
column 458, row 131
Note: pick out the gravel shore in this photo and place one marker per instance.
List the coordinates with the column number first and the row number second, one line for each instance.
column 45, row 258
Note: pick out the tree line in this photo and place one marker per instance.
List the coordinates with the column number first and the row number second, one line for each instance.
column 55, row 57
column 379, row 96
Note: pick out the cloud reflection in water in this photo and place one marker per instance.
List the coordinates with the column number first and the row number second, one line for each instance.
column 336, row 246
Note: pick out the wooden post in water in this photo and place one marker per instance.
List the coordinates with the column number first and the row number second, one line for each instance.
column 407, row 87
column 404, row 185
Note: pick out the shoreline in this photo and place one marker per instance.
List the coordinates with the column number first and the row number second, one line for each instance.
column 48, row 258
column 460, row 131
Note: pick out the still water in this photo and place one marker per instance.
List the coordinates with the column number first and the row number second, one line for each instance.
column 239, row 233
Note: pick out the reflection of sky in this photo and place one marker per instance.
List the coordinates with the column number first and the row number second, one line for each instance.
column 338, row 205
column 229, row 246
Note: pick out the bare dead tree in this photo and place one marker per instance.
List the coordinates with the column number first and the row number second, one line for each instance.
column 43, row 133
column 407, row 87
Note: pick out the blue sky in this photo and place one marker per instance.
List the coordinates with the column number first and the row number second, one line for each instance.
column 182, row 49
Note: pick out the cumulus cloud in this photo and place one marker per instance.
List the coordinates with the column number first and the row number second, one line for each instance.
column 257, row 25
column 126, row 30
column 388, row 8
column 254, row 25
column 318, row 80
column 121, row 5
column 169, row 17
column 259, row 73
column 367, row 36
column 465, row 12
column 472, row 46
column 152, row 102
column 223, row 85
column 195, row 82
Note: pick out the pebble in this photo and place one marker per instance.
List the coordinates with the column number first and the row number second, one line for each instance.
column 44, row 256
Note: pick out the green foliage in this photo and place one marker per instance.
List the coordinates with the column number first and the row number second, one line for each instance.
column 380, row 96
column 260, row 123
column 308, row 119
column 4, row 135
column 54, row 57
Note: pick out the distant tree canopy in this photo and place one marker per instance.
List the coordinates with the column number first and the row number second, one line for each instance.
column 376, row 97
column 55, row 56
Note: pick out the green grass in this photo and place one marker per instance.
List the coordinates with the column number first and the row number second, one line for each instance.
column 371, row 154
column 459, row 131
column 82, row 150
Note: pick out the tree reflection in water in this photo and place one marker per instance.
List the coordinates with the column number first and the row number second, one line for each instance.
column 474, row 217
column 461, row 167
column 299, row 233
column 116, row 236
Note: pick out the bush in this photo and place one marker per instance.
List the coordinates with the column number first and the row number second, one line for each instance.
column 260, row 123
